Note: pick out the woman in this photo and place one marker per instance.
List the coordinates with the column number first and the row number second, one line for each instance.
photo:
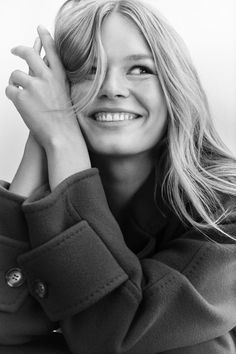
column 124, row 202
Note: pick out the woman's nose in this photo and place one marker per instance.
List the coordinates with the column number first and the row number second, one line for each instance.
column 114, row 86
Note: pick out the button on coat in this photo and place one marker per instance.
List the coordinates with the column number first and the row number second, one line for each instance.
column 40, row 289
column 14, row 277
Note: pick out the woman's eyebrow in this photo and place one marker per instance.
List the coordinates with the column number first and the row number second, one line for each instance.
column 134, row 57
column 139, row 57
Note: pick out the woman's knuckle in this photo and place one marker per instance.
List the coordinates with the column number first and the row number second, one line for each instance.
column 11, row 78
column 12, row 75
column 18, row 96
column 7, row 91
column 15, row 73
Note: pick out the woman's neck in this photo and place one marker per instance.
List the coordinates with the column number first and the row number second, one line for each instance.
column 122, row 177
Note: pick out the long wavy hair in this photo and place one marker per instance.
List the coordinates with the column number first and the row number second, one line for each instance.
column 199, row 172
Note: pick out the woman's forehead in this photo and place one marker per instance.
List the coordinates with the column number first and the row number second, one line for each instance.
column 121, row 37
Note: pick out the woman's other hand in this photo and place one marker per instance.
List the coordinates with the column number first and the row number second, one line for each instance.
column 43, row 100
column 32, row 171
column 42, row 96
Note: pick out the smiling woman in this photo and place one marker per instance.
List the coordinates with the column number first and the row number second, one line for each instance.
column 129, row 114
column 124, row 201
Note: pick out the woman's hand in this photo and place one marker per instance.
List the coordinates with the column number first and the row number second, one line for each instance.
column 42, row 97
column 32, row 171
column 43, row 100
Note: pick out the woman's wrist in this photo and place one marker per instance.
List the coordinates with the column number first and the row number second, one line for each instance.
column 32, row 171
column 66, row 157
column 26, row 180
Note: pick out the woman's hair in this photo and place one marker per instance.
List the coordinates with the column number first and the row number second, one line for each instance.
column 199, row 173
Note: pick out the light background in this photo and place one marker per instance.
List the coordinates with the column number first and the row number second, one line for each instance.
column 207, row 26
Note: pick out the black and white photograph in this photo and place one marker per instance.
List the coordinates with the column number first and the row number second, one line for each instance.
column 118, row 177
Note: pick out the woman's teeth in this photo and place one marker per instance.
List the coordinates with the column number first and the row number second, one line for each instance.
column 113, row 117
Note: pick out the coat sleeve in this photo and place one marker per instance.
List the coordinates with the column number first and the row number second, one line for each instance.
column 21, row 317
column 106, row 298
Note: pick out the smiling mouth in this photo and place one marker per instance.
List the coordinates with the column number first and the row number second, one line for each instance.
column 114, row 117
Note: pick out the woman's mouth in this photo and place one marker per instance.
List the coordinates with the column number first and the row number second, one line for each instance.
column 114, row 117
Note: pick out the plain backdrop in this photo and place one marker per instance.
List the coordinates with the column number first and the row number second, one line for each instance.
column 207, row 26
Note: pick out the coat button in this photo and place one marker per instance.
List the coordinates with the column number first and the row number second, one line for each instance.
column 40, row 288
column 14, row 277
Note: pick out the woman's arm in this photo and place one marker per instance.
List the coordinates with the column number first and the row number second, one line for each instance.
column 32, row 171
column 21, row 318
column 45, row 105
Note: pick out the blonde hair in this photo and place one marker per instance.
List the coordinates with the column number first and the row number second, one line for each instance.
column 199, row 171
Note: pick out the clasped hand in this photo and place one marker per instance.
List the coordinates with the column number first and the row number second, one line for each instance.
column 42, row 97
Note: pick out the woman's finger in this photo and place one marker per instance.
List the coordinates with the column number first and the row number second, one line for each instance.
column 12, row 92
column 19, row 78
column 50, row 49
column 37, row 47
column 34, row 61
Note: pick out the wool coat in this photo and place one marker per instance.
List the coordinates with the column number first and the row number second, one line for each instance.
column 150, row 285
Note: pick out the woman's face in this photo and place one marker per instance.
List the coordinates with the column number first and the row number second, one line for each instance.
column 129, row 114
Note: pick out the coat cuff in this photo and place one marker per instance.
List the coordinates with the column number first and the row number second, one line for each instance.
column 12, row 220
column 71, row 272
column 79, row 197
column 13, row 292
column 49, row 213
column 76, row 241
column 13, row 242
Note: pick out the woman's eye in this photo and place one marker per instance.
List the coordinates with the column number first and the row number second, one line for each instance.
column 93, row 70
column 91, row 73
column 140, row 70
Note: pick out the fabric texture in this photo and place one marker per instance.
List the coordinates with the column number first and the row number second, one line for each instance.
column 150, row 285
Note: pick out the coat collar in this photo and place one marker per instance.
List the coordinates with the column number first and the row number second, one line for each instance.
column 150, row 213
column 149, row 216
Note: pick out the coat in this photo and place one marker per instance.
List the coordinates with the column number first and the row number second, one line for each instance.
column 151, row 285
